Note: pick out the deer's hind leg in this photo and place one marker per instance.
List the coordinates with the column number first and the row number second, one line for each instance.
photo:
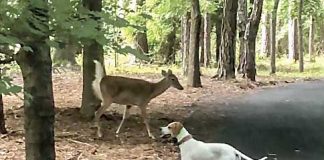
column 125, row 116
column 104, row 105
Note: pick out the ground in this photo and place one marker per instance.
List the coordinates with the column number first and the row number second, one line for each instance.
column 75, row 138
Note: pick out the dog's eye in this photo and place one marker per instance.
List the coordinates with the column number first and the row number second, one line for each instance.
column 169, row 127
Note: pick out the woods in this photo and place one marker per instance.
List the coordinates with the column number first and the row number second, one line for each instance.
column 208, row 44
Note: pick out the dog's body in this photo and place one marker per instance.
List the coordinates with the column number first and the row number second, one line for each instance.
column 191, row 149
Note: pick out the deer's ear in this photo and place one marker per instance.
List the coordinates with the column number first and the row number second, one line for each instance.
column 169, row 71
column 164, row 73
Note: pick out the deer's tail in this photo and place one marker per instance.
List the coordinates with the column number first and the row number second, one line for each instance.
column 99, row 74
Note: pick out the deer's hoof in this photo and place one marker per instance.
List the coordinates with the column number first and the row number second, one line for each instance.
column 152, row 137
column 99, row 134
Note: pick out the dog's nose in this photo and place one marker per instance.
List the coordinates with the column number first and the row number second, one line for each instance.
column 160, row 128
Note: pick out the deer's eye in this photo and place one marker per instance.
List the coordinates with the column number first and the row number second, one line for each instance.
column 172, row 79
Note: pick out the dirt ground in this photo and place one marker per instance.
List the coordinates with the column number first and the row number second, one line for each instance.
column 76, row 139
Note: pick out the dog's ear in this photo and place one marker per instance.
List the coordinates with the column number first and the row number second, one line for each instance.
column 177, row 126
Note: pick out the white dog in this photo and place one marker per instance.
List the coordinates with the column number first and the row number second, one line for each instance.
column 191, row 149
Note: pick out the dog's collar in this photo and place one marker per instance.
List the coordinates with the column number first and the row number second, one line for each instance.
column 184, row 139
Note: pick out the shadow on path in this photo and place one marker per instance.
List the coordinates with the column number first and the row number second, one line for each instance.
column 286, row 121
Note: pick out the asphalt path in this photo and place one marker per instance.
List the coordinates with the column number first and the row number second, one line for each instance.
column 285, row 121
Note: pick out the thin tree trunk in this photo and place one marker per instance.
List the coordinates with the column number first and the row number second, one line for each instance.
column 226, row 69
column 311, row 40
column 186, row 39
column 36, row 68
column 250, row 37
column 202, row 42
column 2, row 118
column 293, row 40
column 300, row 26
column 207, row 31
column 242, row 18
column 194, row 68
column 273, row 36
column 265, row 30
column 167, row 49
column 92, row 51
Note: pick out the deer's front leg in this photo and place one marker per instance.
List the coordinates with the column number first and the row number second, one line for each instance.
column 98, row 114
column 145, row 119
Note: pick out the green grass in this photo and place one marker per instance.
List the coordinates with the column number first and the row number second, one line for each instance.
column 288, row 68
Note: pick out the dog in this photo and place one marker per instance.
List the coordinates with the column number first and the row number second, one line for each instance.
column 191, row 149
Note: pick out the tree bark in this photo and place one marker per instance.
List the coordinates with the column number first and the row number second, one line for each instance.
column 311, row 40
column 300, row 46
column 36, row 67
column 250, row 37
column 293, row 40
column 207, row 31
column 273, row 36
column 219, row 17
column 185, row 42
column 226, row 69
column 2, row 118
column 241, row 24
column 202, row 42
column 167, row 49
column 194, row 68
column 92, row 51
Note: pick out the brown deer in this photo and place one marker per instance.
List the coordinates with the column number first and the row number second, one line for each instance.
column 128, row 92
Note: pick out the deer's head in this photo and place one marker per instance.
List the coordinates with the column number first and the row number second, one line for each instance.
column 172, row 79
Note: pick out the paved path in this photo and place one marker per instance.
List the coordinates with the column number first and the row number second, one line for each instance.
column 287, row 121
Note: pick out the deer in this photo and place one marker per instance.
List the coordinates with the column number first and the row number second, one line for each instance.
column 129, row 92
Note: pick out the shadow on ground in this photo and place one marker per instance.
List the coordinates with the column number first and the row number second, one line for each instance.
column 286, row 121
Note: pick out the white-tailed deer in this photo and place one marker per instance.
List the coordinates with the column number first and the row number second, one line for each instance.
column 128, row 92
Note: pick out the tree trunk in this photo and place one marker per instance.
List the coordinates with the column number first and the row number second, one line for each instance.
column 2, row 118
column 66, row 55
column 273, row 36
column 226, row 69
column 293, row 39
column 92, row 51
column 207, row 31
column 194, row 68
column 265, row 37
column 241, row 24
column 250, row 37
column 219, row 17
column 311, row 40
column 141, row 37
column 167, row 49
column 186, row 39
column 300, row 46
column 36, row 68
column 202, row 42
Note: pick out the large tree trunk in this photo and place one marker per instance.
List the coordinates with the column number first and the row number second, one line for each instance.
column 207, row 31
column 92, row 51
column 241, row 24
column 226, row 69
column 300, row 31
column 194, row 68
column 2, row 118
column 265, row 37
column 250, row 37
column 36, row 67
column 185, row 43
column 311, row 40
column 273, row 36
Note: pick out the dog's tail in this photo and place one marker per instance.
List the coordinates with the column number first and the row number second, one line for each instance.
column 245, row 157
column 99, row 74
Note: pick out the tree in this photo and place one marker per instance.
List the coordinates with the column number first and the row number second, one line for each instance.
column 2, row 118
column 241, row 24
column 292, row 31
column 194, row 68
column 265, row 37
column 273, row 36
column 92, row 51
column 185, row 42
column 311, row 39
column 36, row 66
column 218, row 26
column 207, row 31
column 226, row 65
column 300, row 26
column 250, row 38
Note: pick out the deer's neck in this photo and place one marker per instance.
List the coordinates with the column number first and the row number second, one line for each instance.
column 160, row 87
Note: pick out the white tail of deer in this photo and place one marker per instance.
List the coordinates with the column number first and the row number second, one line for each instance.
column 128, row 92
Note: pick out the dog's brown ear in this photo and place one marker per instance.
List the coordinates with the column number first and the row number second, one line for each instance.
column 177, row 128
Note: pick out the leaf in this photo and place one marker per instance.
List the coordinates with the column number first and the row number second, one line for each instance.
column 27, row 49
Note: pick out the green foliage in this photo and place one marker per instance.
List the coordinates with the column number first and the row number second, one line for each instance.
column 7, row 87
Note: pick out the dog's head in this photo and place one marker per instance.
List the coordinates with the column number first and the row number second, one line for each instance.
column 172, row 129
